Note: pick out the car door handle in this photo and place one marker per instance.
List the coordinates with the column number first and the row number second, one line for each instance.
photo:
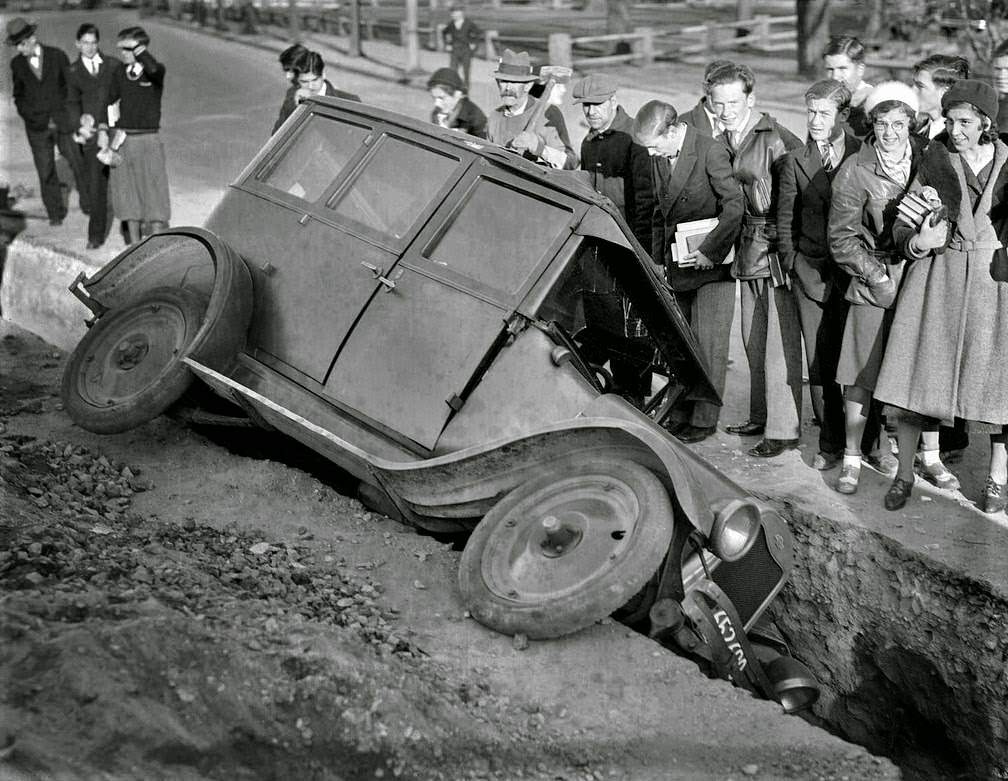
column 390, row 281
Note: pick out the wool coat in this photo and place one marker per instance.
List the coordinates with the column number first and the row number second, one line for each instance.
column 947, row 355
column 698, row 119
column 620, row 169
column 802, row 210
column 700, row 185
column 466, row 116
column 40, row 101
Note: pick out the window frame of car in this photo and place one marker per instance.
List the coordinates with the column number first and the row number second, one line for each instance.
column 252, row 180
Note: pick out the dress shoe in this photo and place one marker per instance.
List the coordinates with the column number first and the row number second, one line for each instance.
column 850, row 476
column 951, row 456
column 886, row 464
column 94, row 244
column 55, row 221
column 768, row 448
column 995, row 496
column 747, row 429
column 824, row 461
column 674, row 426
column 691, row 433
column 898, row 493
column 939, row 476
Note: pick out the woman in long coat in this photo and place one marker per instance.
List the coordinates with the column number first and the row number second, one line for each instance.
column 947, row 354
column 866, row 190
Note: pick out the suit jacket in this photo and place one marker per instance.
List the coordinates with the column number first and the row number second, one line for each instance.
column 701, row 185
column 40, row 101
column 87, row 94
column 290, row 101
column 697, row 118
column 802, row 213
column 462, row 42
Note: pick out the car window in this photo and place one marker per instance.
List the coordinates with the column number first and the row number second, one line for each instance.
column 498, row 235
column 398, row 182
column 317, row 154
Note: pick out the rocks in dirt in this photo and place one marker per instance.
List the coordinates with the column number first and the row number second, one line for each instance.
column 520, row 642
column 750, row 770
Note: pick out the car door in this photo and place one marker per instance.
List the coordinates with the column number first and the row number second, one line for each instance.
column 409, row 359
column 315, row 247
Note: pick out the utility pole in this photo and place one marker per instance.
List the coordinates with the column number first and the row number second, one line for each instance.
column 355, row 42
column 412, row 36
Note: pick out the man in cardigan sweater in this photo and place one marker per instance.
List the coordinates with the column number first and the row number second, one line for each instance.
column 39, row 85
column 89, row 81
column 139, row 183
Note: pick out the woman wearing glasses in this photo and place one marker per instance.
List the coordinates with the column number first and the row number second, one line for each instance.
column 947, row 356
column 866, row 190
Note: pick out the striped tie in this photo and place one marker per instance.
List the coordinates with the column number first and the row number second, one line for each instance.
column 827, row 157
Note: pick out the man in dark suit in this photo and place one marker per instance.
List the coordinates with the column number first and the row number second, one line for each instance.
column 802, row 212
column 89, row 79
column 39, row 85
column 693, row 180
column 461, row 37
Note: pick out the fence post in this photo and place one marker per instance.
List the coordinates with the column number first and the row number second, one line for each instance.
column 643, row 46
column 488, row 38
column 762, row 31
column 712, row 37
column 561, row 49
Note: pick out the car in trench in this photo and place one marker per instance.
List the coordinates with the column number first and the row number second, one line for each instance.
column 423, row 309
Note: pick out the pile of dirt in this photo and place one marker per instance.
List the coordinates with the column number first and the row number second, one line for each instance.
column 143, row 647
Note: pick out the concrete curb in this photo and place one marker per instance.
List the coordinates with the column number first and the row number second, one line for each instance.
column 34, row 295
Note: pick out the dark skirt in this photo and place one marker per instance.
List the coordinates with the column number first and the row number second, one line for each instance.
column 139, row 184
column 864, row 341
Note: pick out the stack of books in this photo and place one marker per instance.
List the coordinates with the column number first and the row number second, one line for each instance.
column 688, row 238
column 915, row 207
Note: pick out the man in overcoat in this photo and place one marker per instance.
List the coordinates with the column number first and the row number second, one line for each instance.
column 461, row 37
column 802, row 213
column 89, row 80
column 38, row 74
column 693, row 180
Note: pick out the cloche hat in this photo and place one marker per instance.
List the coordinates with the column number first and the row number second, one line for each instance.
column 979, row 93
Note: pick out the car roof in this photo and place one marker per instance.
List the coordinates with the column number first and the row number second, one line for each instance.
column 573, row 183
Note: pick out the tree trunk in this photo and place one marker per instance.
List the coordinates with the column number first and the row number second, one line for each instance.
column 744, row 9
column 874, row 26
column 813, row 33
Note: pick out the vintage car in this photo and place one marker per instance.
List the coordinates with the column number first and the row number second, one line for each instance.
column 416, row 305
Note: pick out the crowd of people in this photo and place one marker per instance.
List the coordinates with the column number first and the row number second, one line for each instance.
column 875, row 242
column 103, row 114
column 868, row 256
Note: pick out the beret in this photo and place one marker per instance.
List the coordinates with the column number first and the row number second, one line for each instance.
column 979, row 93
column 446, row 77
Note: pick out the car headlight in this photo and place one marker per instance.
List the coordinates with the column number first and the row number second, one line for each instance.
column 736, row 526
column 793, row 684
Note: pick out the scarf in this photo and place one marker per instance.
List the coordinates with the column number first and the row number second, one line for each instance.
column 896, row 164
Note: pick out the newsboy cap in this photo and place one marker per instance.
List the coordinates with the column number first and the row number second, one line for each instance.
column 979, row 93
column 446, row 77
column 514, row 66
column 594, row 88
column 18, row 30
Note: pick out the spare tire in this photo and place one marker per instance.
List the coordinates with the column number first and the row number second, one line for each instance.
column 566, row 549
column 128, row 368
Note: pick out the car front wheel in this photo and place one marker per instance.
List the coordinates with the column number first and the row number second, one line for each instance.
column 128, row 368
column 566, row 549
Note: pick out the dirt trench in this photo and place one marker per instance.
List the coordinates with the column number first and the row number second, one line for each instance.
column 912, row 657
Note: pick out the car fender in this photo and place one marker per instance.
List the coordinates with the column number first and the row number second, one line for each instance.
column 188, row 257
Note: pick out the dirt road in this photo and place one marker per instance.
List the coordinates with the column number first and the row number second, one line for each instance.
column 173, row 610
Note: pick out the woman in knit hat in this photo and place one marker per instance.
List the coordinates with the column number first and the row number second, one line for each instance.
column 947, row 354
column 452, row 107
column 866, row 189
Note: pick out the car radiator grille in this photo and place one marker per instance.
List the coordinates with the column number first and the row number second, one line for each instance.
column 749, row 581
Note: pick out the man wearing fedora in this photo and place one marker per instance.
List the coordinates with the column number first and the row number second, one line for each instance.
column 40, row 92
column 461, row 37
column 520, row 124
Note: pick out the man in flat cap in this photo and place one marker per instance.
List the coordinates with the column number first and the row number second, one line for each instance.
column 520, row 124
column 40, row 92
column 620, row 169
column 461, row 37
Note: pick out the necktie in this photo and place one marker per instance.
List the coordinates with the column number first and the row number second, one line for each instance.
column 89, row 63
column 827, row 157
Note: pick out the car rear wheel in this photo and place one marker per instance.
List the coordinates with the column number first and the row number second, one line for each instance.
column 566, row 549
column 127, row 369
